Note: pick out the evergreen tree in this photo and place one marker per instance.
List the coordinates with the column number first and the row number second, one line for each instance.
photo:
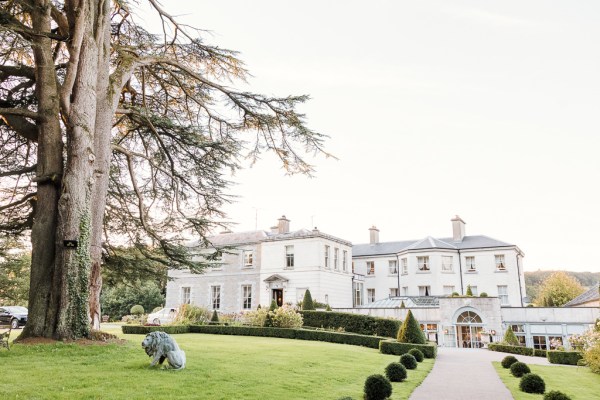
column 273, row 306
column 215, row 317
column 307, row 303
column 410, row 331
column 469, row 291
column 510, row 337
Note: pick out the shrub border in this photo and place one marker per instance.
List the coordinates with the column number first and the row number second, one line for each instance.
column 355, row 323
column 564, row 357
column 524, row 351
column 144, row 330
column 291, row 333
column 396, row 348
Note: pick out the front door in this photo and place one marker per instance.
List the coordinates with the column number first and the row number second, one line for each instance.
column 278, row 296
column 469, row 336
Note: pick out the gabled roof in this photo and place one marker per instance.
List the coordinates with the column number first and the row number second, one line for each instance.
column 591, row 295
column 468, row 242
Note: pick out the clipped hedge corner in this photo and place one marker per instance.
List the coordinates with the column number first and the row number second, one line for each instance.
column 564, row 357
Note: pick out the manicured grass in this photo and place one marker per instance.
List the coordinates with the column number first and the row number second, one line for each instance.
column 218, row 367
column 577, row 382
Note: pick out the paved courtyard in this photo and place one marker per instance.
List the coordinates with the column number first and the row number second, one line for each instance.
column 467, row 373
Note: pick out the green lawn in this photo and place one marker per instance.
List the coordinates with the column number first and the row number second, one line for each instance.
column 218, row 367
column 577, row 382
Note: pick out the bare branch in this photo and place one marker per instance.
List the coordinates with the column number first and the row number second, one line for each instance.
column 22, row 112
column 19, row 171
column 18, row 202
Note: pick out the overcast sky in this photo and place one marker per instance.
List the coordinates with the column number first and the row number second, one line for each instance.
column 485, row 109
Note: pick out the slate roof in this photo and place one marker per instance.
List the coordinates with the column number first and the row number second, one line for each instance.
column 591, row 295
column 251, row 237
column 409, row 302
column 468, row 242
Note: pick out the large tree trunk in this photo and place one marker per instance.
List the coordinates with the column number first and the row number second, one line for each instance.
column 42, row 302
column 102, row 141
column 60, row 276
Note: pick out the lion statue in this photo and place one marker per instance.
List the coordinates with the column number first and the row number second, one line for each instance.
column 161, row 345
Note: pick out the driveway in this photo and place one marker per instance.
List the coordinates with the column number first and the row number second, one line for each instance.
column 460, row 374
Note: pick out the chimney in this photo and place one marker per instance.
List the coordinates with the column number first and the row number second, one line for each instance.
column 283, row 225
column 374, row 235
column 458, row 229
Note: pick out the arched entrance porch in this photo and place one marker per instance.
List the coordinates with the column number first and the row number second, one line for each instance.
column 469, row 326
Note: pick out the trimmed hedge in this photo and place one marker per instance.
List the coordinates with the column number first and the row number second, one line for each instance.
column 356, row 323
column 396, row 348
column 144, row 330
column 289, row 333
column 564, row 357
column 524, row 351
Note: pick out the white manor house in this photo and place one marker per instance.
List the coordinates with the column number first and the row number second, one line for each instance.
column 430, row 277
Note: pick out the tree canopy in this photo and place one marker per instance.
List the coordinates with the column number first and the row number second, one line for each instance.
column 558, row 289
column 112, row 135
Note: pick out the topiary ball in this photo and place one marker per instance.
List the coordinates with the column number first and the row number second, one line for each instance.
column 519, row 369
column 408, row 360
column 417, row 354
column 508, row 361
column 532, row 383
column 395, row 372
column 137, row 310
column 377, row 387
column 556, row 395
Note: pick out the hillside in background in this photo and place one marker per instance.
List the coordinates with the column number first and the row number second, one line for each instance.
column 534, row 279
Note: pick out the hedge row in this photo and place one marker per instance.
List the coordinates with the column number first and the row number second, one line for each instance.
column 288, row 333
column 396, row 348
column 524, row 351
column 356, row 323
column 144, row 330
column 564, row 357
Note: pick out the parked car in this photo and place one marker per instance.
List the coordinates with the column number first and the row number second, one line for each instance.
column 163, row 316
column 16, row 316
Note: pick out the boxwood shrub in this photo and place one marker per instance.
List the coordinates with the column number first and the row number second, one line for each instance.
column 144, row 330
column 556, row 395
column 396, row 348
column 532, row 383
column 417, row 354
column 519, row 369
column 377, row 387
column 508, row 361
column 409, row 361
column 356, row 323
column 396, row 372
column 524, row 351
column 289, row 333
column 564, row 357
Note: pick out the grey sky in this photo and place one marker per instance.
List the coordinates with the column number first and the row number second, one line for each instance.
column 486, row 109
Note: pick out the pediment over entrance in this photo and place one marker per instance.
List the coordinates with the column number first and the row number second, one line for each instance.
column 276, row 278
